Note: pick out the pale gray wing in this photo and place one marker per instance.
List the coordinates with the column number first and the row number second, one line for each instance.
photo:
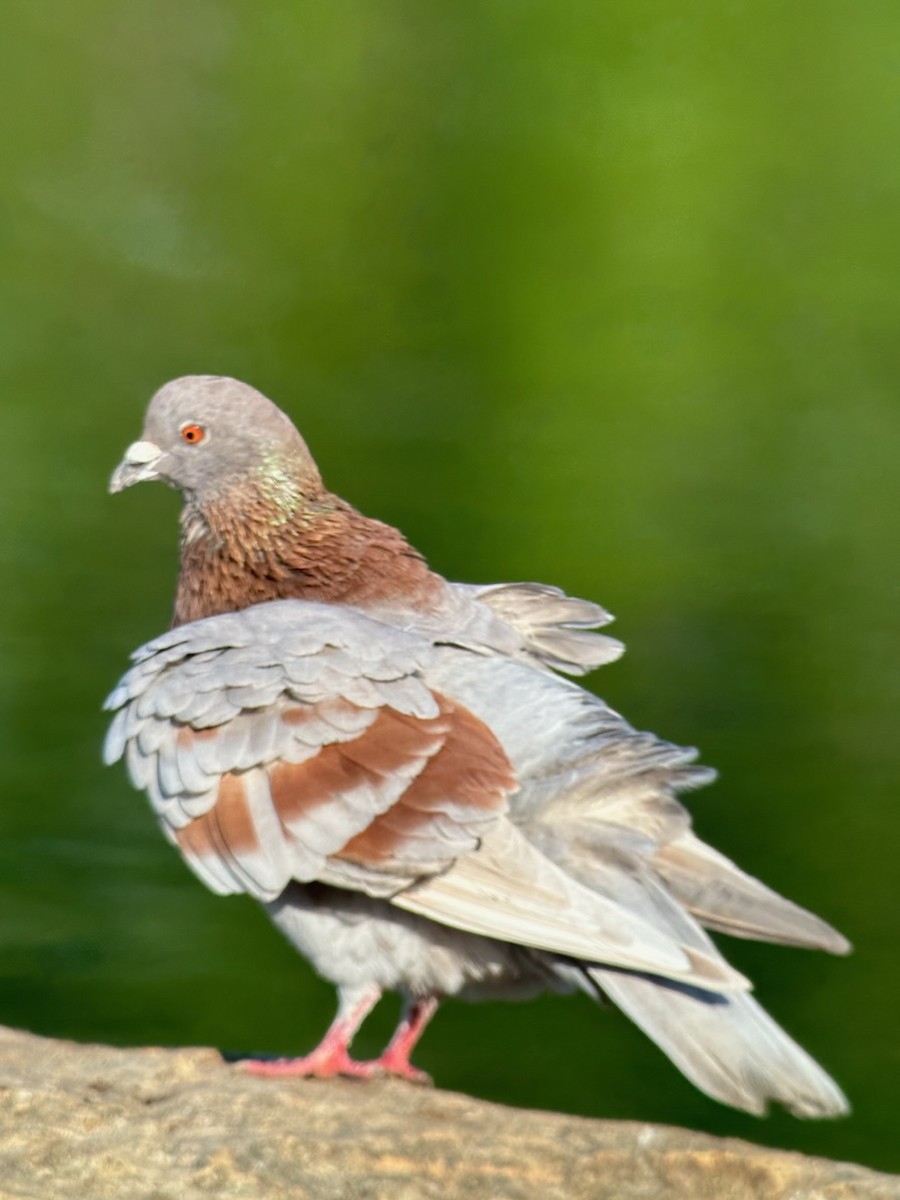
column 298, row 741
column 724, row 1041
column 302, row 741
column 599, row 800
column 510, row 890
column 593, row 780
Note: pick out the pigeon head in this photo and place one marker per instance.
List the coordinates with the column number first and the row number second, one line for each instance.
column 204, row 434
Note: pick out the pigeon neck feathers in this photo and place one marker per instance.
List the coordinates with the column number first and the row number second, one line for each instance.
column 274, row 536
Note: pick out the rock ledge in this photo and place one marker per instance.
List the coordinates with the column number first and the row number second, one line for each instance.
column 151, row 1124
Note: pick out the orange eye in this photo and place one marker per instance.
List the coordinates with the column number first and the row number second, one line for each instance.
column 192, row 433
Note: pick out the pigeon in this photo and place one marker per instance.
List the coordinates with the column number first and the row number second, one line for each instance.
column 404, row 773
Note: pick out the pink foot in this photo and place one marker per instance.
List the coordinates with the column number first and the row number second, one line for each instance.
column 317, row 1066
column 331, row 1057
column 401, row 1068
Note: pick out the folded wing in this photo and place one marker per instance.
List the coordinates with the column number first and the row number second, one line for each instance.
column 297, row 741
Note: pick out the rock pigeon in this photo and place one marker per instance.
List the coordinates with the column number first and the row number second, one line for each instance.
column 395, row 767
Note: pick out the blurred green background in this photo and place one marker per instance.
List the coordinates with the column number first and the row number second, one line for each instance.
column 594, row 294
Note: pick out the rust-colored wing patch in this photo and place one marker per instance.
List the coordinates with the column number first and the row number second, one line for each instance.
column 441, row 812
column 228, row 826
column 407, row 795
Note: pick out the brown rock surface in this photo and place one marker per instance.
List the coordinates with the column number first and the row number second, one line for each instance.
column 97, row 1122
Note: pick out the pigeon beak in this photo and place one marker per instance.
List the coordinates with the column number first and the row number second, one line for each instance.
column 138, row 465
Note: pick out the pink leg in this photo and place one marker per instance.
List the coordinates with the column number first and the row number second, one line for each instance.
column 395, row 1059
column 332, row 1056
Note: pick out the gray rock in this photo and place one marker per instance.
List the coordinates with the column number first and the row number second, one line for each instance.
column 97, row 1122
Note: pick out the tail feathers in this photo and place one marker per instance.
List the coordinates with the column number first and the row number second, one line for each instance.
column 728, row 1046
column 724, row 898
